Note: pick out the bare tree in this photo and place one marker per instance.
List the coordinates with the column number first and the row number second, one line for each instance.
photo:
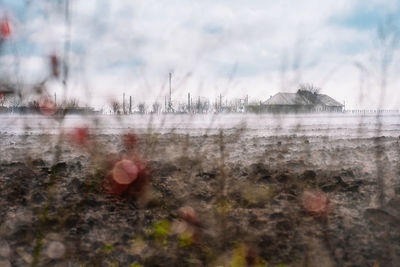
column 142, row 108
column 202, row 105
column 116, row 107
column 309, row 91
column 72, row 103
column 156, row 107
column 308, row 87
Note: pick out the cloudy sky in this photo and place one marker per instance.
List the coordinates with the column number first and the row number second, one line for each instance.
column 348, row 48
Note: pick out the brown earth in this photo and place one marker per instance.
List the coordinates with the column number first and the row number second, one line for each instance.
column 247, row 193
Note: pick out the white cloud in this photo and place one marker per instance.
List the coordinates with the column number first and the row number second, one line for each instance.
column 132, row 45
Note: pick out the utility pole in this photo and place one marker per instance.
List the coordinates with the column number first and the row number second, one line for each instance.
column 220, row 102
column 170, row 93
column 130, row 104
column 67, row 47
column 188, row 102
column 246, row 104
column 199, row 105
column 123, row 103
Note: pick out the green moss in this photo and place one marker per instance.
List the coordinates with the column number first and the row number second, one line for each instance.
column 108, row 248
column 239, row 256
column 185, row 240
column 162, row 229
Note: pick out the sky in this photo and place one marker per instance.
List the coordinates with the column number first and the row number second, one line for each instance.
column 348, row 48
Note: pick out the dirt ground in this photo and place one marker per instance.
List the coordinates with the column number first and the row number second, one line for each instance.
column 247, row 195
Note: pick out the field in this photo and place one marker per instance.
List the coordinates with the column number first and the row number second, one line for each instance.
column 226, row 190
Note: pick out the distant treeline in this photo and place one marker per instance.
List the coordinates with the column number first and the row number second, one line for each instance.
column 36, row 110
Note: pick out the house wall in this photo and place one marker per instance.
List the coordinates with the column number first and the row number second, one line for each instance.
column 321, row 108
column 287, row 109
column 298, row 109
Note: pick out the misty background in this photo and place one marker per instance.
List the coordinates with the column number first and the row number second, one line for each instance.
column 348, row 48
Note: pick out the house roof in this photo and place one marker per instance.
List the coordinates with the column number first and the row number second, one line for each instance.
column 289, row 99
column 328, row 101
column 6, row 88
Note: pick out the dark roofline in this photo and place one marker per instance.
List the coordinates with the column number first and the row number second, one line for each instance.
column 321, row 99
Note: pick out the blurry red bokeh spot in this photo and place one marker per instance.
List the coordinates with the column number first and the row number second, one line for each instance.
column 128, row 176
column 188, row 214
column 5, row 28
column 316, row 202
column 125, row 172
column 47, row 107
column 79, row 135
column 130, row 140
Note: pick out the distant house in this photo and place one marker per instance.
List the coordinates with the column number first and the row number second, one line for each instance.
column 301, row 102
column 327, row 103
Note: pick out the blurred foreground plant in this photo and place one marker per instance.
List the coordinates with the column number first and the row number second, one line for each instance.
column 130, row 173
column 316, row 203
column 5, row 28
